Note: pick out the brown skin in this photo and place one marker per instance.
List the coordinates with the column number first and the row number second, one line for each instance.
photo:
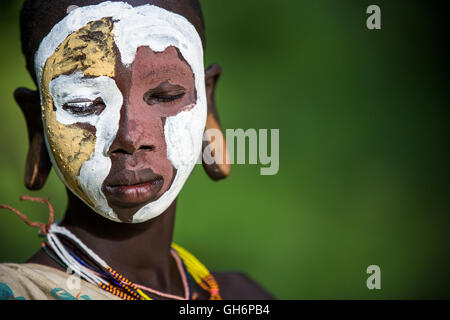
column 158, row 85
column 139, row 251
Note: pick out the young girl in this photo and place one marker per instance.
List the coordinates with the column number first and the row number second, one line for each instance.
column 122, row 105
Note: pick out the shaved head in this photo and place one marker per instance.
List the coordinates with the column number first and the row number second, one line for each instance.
column 38, row 17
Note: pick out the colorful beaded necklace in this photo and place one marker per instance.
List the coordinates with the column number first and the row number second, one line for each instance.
column 123, row 287
column 100, row 273
column 113, row 282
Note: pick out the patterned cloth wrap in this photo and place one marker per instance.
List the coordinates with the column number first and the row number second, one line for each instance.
column 31, row 281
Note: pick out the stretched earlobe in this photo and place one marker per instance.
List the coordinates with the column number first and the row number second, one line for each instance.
column 214, row 144
column 38, row 164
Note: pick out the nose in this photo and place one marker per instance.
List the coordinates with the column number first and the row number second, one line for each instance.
column 130, row 138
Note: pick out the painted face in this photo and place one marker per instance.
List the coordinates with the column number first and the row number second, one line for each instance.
column 123, row 106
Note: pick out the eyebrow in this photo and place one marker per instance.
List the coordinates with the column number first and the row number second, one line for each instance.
column 87, row 77
column 162, row 69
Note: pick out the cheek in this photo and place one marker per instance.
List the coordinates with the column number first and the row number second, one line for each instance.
column 183, row 135
column 160, row 163
column 70, row 145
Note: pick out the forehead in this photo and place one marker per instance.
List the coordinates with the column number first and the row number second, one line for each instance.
column 89, row 49
column 88, row 35
column 157, row 66
column 92, row 51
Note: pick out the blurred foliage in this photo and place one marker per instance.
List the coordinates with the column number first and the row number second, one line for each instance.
column 363, row 118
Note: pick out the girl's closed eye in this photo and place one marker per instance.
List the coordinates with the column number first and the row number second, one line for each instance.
column 165, row 92
column 84, row 107
column 152, row 98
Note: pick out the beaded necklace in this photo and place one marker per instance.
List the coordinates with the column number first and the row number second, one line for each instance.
column 123, row 287
column 106, row 277
column 113, row 282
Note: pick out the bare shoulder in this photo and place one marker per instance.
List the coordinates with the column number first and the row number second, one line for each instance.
column 239, row 286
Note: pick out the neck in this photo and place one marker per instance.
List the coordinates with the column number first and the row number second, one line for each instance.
column 140, row 251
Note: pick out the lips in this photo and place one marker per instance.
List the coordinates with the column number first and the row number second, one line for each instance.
column 130, row 188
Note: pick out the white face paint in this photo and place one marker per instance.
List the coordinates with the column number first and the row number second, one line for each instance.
column 145, row 25
column 67, row 89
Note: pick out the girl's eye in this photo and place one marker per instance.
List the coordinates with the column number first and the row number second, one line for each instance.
column 84, row 107
column 152, row 98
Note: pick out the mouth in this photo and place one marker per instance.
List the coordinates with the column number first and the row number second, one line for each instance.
column 134, row 191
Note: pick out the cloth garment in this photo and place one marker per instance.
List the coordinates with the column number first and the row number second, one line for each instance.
column 29, row 281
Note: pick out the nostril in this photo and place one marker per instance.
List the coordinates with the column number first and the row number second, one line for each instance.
column 149, row 148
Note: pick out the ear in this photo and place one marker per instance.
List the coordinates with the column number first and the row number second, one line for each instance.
column 38, row 163
column 220, row 166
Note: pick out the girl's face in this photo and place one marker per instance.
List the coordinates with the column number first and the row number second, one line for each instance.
column 123, row 106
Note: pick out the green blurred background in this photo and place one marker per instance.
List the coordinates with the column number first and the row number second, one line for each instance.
column 363, row 118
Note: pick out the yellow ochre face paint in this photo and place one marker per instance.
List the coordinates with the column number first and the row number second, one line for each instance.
column 77, row 64
column 90, row 51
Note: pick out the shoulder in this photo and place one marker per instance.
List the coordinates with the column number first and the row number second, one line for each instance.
column 238, row 286
column 32, row 281
column 16, row 280
column 29, row 281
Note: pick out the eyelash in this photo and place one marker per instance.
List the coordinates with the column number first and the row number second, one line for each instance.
column 84, row 108
column 170, row 98
column 155, row 98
